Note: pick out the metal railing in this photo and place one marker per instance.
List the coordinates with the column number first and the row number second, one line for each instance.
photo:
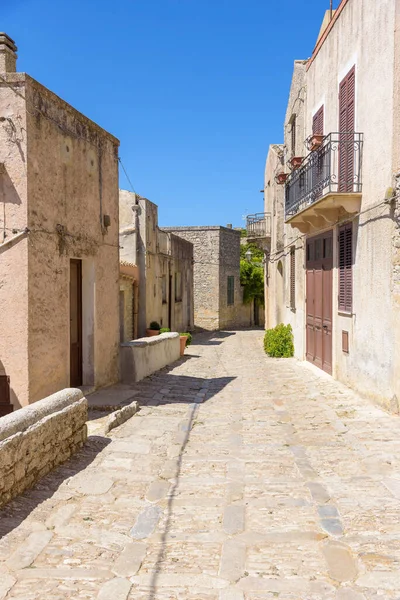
column 258, row 226
column 334, row 167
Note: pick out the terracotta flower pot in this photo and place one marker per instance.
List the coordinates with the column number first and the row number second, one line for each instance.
column 151, row 332
column 281, row 178
column 183, row 340
column 296, row 162
column 315, row 141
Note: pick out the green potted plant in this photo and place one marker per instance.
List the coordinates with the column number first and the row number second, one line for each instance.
column 185, row 340
column 154, row 329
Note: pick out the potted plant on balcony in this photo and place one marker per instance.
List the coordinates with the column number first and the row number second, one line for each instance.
column 295, row 162
column 314, row 141
column 154, row 329
column 185, row 340
column 280, row 178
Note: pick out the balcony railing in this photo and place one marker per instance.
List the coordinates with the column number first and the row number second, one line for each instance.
column 258, row 226
column 335, row 167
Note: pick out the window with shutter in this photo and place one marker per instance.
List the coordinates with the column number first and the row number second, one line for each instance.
column 346, row 268
column 293, row 135
column 231, row 290
column 318, row 121
column 347, row 89
column 292, row 278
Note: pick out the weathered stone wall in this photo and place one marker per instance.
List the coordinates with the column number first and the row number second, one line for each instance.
column 216, row 256
column 206, row 256
column 236, row 314
column 37, row 438
column 182, row 262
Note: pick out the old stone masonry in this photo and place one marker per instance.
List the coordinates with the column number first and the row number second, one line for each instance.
column 240, row 478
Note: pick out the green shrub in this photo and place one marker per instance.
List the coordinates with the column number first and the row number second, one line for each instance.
column 188, row 338
column 165, row 330
column 154, row 325
column 278, row 342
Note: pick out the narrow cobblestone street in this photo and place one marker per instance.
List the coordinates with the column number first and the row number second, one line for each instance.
column 242, row 477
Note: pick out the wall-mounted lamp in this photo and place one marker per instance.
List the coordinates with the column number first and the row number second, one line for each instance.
column 248, row 255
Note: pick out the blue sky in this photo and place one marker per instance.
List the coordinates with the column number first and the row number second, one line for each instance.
column 196, row 90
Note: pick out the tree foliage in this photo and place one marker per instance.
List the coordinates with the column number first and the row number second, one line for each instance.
column 257, row 253
column 252, row 280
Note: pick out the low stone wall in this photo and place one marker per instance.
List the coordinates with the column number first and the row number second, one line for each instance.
column 140, row 358
column 37, row 438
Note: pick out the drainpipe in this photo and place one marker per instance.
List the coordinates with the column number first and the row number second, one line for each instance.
column 135, row 309
column 331, row 9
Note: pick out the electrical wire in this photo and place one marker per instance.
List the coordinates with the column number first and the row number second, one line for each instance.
column 126, row 175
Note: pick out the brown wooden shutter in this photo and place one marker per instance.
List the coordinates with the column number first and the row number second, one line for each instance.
column 318, row 121
column 346, row 268
column 347, row 90
column 292, row 278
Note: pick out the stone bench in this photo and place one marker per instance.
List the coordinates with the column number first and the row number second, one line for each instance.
column 140, row 358
column 38, row 437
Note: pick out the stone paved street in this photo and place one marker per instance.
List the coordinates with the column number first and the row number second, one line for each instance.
column 241, row 478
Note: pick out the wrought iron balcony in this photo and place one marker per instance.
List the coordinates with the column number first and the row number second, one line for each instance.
column 334, row 168
column 258, row 226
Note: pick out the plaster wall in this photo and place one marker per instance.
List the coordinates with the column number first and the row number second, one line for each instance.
column 159, row 255
column 126, row 309
column 283, row 237
column 72, row 184
column 363, row 36
column 396, row 212
column 142, row 357
column 13, row 257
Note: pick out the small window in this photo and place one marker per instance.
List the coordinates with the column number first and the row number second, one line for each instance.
column 178, row 286
column 231, row 290
column 164, row 289
column 293, row 278
column 293, row 135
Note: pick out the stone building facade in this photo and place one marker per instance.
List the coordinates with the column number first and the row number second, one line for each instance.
column 333, row 267
column 216, row 268
column 59, row 260
column 164, row 262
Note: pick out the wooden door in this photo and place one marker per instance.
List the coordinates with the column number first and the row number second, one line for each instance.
column 319, row 301
column 75, row 296
column 5, row 403
column 347, row 90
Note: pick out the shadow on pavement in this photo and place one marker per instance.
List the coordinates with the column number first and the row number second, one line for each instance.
column 16, row 511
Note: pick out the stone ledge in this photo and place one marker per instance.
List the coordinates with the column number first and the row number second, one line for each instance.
column 150, row 341
column 37, row 438
column 23, row 418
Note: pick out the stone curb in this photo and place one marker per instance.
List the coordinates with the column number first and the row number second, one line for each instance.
column 120, row 416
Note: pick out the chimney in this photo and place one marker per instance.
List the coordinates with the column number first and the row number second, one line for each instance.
column 229, row 226
column 8, row 56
